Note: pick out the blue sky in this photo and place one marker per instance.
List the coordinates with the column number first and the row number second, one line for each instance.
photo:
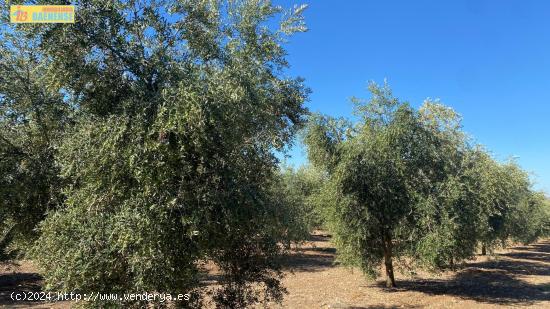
column 489, row 60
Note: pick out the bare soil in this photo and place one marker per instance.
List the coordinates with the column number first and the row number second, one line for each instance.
column 515, row 277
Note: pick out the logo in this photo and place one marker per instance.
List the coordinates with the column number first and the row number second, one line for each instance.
column 42, row 14
column 19, row 15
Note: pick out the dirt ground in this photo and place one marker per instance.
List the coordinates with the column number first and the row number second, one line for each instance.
column 518, row 276
column 515, row 277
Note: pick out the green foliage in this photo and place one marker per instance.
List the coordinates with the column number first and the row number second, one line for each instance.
column 529, row 219
column 296, row 189
column 545, row 216
column 323, row 137
column 447, row 220
column 502, row 189
column 381, row 169
column 32, row 118
column 447, row 214
column 169, row 159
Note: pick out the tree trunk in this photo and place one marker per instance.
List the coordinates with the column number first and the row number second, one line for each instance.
column 483, row 249
column 390, row 279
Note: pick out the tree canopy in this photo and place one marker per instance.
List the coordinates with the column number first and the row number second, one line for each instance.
column 175, row 110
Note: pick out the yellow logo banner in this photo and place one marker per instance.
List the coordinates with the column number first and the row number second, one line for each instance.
column 42, row 14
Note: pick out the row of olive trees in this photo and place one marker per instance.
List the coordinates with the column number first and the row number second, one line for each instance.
column 139, row 143
column 407, row 185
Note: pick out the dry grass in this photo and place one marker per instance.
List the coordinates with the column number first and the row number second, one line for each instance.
column 516, row 277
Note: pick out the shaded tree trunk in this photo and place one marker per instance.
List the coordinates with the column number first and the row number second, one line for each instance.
column 483, row 249
column 390, row 279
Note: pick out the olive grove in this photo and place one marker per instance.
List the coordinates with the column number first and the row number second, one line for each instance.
column 139, row 152
column 408, row 185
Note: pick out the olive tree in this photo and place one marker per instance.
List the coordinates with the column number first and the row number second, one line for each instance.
column 297, row 190
column 471, row 203
column 179, row 107
column 529, row 220
column 501, row 189
column 379, row 171
column 517, row 210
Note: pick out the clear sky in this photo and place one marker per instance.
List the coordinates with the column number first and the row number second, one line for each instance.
column 489, row 60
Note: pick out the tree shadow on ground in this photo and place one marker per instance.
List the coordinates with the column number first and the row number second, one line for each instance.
column 382, row 307
column 378, row 306
column 495, row 281
column 537, row 256
column 18, row 282
column 311, row 258
column 308, row 262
